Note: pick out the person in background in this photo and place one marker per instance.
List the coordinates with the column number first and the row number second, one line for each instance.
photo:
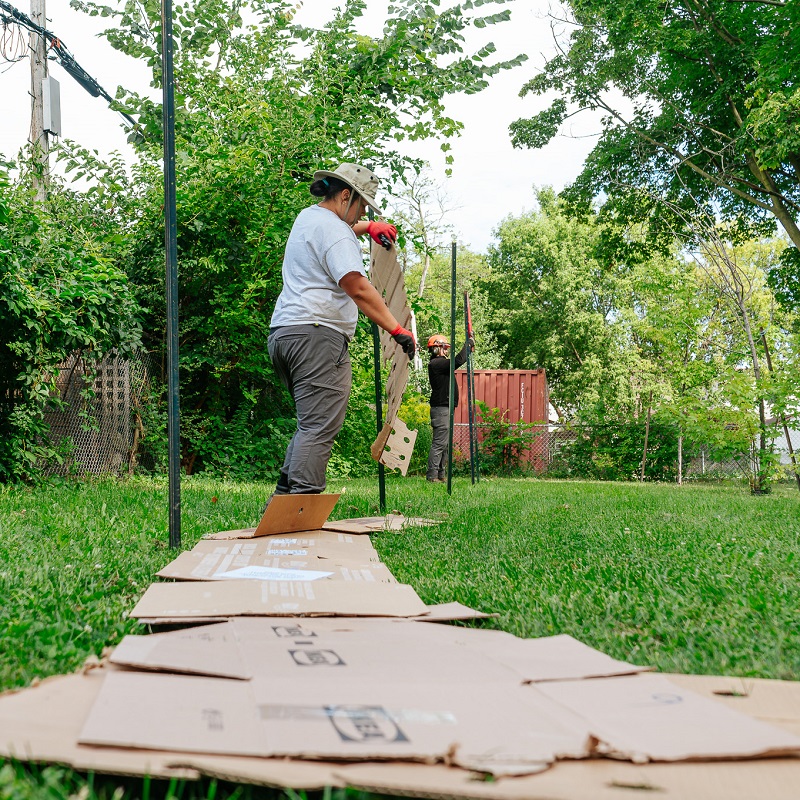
column 439, row 377
column 324, row 287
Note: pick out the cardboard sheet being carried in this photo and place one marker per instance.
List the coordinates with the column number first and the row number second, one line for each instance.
column 220, row 599
column 193, row 566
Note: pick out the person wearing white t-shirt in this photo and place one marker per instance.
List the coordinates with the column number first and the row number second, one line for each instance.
column 324, row 287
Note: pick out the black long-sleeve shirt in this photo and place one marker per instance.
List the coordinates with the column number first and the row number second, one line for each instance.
column 439, row 376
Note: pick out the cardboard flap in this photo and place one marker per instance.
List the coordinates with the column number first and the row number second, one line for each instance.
column 559, row 658
column 649, row 718
column 398, row 447
column 288, row 513
column 391, row 522
column 213, row 599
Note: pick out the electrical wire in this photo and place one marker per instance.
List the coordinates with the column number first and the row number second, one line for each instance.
column 12, row 16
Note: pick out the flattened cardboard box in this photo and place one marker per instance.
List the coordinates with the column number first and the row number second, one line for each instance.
column 41, row 724
column 497, row 728
column 192, row 566
column 322, row 544
column 394, row 650
column 286, row 514
column 391, row 522
column 649, row 718
column 359, row 651
column 211, row 599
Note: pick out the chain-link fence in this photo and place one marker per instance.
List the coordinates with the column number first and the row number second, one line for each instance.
column 95, row 423
column 551, row 452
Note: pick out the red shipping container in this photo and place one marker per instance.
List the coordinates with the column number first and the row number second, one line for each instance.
column 520, row 393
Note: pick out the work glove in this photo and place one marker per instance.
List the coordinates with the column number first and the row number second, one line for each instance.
column 383, row 233
column 405, row 339
column 471, row 343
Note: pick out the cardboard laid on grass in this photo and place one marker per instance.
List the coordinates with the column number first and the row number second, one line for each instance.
column 287, row 513
column 391, row 522
column 194, row 566
column 354, row 651
column 320, row 544
column 497, row 728
column 41, row 724
column 594, row 779
column 213, row 599
column 648, row 718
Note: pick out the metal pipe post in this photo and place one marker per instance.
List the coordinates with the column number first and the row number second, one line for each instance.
column 171, row 250
column 376, row 359
column 452, row 365
column 473, row 445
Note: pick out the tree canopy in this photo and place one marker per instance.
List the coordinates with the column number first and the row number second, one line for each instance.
column 700, row 102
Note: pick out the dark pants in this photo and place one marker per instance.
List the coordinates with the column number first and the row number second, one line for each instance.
column 437, row 456
column 313, row 363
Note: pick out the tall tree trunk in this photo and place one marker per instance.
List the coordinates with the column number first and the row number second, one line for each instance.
column 680, row 459
column 758, row 477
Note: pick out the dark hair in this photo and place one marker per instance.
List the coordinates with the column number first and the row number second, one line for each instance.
column 329, row 187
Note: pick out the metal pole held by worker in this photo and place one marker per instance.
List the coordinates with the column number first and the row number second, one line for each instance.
column 376, row 358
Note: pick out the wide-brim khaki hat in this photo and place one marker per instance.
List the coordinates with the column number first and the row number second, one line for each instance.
column 363, row 180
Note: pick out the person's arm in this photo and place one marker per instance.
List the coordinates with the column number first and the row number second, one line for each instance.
column 376, row 229
column 366, row 297
column 461, row 358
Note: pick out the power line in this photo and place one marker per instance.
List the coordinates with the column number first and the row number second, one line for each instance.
column 61, row 54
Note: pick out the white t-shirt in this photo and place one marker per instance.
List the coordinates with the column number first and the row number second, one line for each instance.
column 321, row 250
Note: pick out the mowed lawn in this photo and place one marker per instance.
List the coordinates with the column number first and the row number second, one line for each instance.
column 702, row 578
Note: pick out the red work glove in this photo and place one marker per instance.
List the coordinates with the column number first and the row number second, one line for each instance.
column 405, row 339
column 382, row 232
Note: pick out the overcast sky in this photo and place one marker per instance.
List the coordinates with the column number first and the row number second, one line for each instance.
column 490, row 179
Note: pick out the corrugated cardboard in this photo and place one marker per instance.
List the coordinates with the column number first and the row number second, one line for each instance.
column 497, row 728
column 391, row 522
column 199, row 566
column 595, row 779
column 213, row 599
column 776, row 702
column 361, row 651
column 41, row 724
column 322, row 544
column 287, row 513
column 648, row 718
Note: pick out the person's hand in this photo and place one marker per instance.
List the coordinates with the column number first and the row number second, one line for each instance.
column 382, row 232
column 471, row 343
column 405, row 339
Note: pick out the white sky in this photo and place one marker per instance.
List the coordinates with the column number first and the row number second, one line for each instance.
column 490, row 179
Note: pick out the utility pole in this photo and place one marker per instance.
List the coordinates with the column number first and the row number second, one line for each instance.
column 39, row 140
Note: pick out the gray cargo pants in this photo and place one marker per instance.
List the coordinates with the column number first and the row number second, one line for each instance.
column 313, row 363
column 437, row 456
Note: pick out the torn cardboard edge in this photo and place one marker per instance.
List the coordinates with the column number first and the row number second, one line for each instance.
column 41, row 723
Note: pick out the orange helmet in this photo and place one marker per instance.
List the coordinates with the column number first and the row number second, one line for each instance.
column 438, row 340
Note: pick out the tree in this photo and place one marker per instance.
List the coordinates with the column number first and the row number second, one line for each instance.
column 554, row 302
column 59, row 294
column 258, row 109
column 714, row 104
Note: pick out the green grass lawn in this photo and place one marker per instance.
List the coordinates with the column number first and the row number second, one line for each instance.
column 699, row 579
